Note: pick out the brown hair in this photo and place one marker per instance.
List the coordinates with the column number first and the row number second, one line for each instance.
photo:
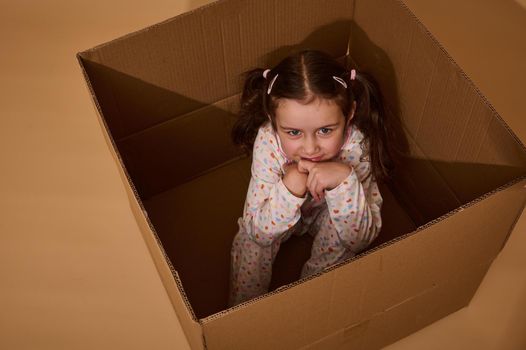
column 308, row 75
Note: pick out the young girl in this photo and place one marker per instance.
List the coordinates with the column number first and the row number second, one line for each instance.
column 319, row 146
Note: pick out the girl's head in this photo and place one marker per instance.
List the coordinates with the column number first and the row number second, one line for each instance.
column 311, row 100
column 309, row 104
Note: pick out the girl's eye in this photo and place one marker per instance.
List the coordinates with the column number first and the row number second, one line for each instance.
column 325, row 131
column 293, row 132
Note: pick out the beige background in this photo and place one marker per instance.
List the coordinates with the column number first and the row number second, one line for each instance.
column 74, row 271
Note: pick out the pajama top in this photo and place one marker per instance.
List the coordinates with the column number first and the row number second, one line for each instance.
column 271, row 210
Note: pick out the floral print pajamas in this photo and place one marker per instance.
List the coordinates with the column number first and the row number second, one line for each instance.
column 344, row 223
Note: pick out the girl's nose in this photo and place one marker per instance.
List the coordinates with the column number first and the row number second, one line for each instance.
column 310, row 146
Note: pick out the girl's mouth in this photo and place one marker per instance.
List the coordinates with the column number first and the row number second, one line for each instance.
column 314, row 159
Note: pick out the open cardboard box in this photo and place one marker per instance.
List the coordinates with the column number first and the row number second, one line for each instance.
column 167, row 98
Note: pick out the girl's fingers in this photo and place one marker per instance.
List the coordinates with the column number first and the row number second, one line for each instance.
column 312, row 187
column 315, row 187
column 301, row 167
column 314, row 183
column 310, row 178
column 319, row 190
column 305, row 166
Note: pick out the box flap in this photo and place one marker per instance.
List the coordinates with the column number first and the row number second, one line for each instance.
column 460, row 147
column 490, row 48
column 167, row 273
column 198, row 57
column 394, row 275
column 407, row 316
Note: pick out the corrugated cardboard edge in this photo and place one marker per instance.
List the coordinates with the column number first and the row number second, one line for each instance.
column 454, row 287
column 139, row 31
column 364, row 335
column 484, row 102
column 171, row 281
column 445, row 216
column 461, row 71
column 359, row 256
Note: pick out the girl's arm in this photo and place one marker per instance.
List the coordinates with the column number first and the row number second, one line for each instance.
column 354, row 207
column 270, row 208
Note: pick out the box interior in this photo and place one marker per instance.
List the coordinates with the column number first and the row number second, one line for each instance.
column 168, row 97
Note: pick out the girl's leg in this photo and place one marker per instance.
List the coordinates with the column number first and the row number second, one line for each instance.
column 251, row 267
column 327, row 248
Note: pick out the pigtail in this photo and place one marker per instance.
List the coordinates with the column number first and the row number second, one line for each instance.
column 252, row 113
column 371, row 119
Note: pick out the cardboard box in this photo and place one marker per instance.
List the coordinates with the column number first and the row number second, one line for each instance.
column 166, row 98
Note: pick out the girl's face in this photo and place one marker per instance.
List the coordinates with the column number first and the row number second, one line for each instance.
column 313, row 131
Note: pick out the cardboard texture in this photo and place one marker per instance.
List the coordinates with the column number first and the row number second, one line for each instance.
column 167, row 97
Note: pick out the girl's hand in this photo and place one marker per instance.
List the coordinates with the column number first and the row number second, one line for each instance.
column 294, row 180
column 323, row 176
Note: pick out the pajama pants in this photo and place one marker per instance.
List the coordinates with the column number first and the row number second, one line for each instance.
column 251, row 263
